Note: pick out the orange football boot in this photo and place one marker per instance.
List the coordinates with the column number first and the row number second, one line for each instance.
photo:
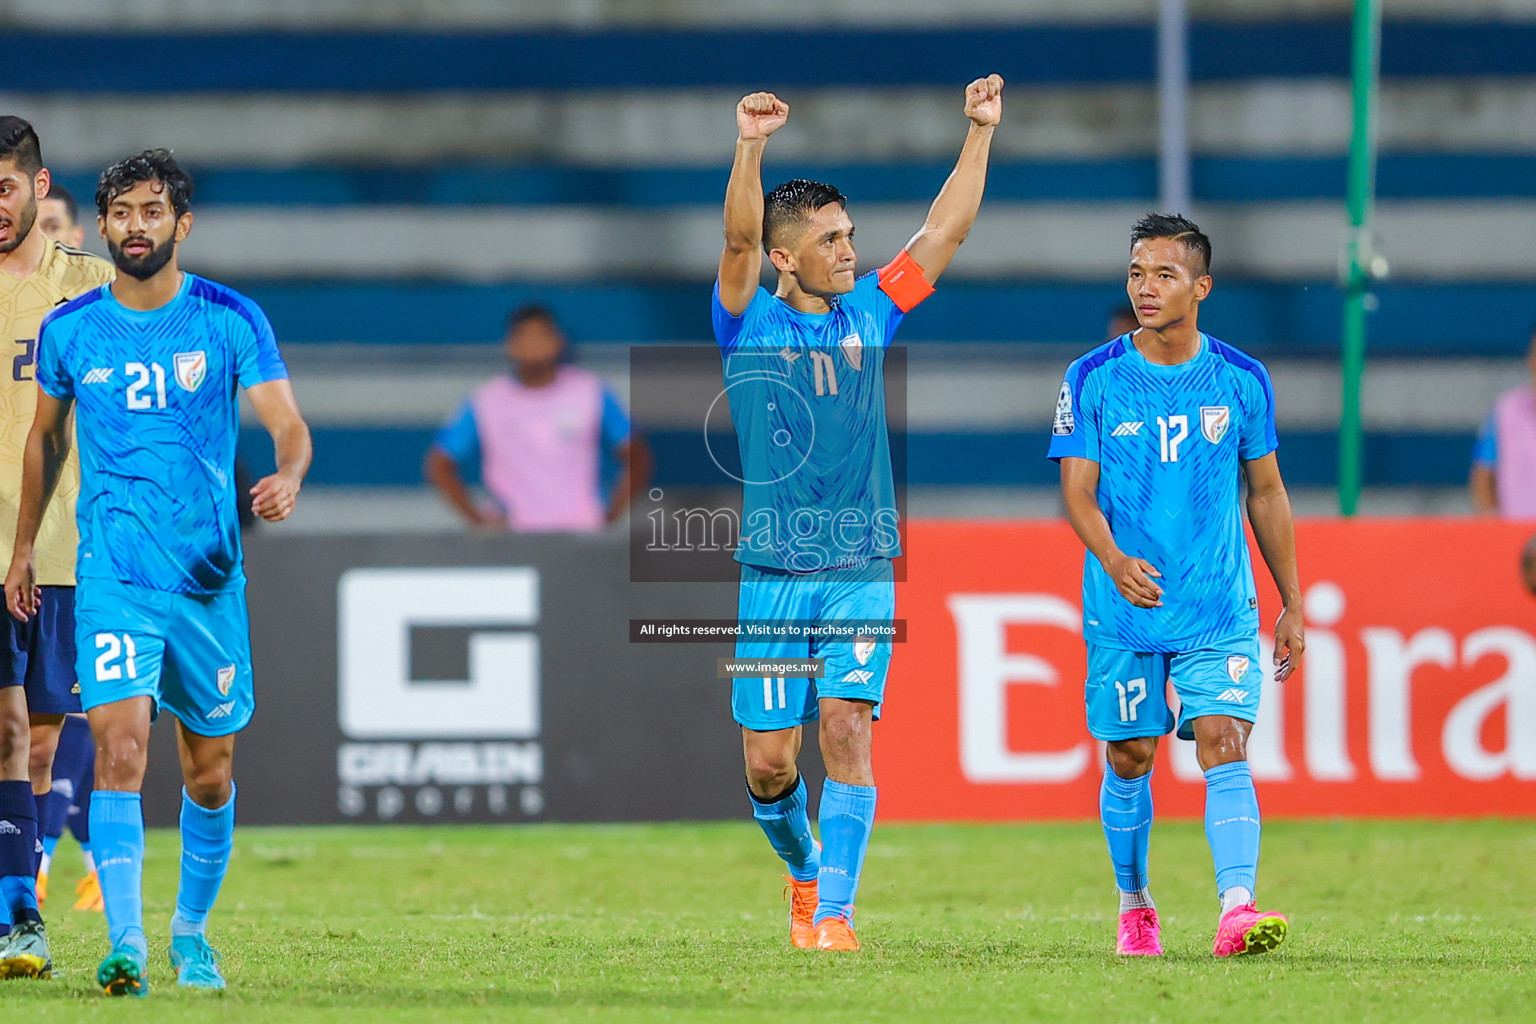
column 802, row 908
column 835, row 934
column 89, row 891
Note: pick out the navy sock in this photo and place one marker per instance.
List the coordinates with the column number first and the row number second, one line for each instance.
column 1232, row 825
column 1125, row 808
column 788, row 827
column 19, row 851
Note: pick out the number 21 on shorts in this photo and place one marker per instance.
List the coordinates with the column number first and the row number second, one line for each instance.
column 1131, row 695
column 113, row 648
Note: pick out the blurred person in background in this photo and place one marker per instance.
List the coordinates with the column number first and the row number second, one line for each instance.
column 1122, row 321
column 1503, row 478
column 541, row 433
column 74, row 764
column 58, row 217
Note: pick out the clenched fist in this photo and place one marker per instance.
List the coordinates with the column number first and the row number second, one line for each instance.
column 983, row 101
column 762, row 113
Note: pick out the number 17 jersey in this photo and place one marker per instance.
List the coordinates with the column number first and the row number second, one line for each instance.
column 157, row 420
column 1169, row 441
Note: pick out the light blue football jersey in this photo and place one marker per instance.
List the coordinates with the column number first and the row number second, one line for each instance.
column 1169, row 441
column 807, row 397
column 157, row 420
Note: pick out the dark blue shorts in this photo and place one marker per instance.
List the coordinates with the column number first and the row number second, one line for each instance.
column 40, row 654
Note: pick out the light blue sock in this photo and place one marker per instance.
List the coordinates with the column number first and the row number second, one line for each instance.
column 847, row 816
column 117, row 837
column 1125, row 807
column 1232, row 825
column 207, row 837
column 50, row 844
column 788, row 828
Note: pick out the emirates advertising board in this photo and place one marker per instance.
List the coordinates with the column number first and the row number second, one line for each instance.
column 1416, row 697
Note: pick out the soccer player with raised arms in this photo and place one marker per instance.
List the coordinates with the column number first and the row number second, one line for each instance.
column 151, row 365
column 1155, row 432
column 804, row 372
column 37, row 655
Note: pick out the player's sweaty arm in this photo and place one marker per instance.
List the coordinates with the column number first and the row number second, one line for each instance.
column 273, row 496
column 1132, row 576
column 1269, row 510
column 47, row 447
column 757, row 117
column 954, row 211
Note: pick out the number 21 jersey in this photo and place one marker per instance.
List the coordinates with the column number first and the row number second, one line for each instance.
column 157, row 420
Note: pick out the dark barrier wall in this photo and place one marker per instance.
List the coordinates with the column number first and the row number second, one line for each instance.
column 468, row 678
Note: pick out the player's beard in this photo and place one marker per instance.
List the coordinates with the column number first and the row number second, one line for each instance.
column 146, row 266
column 20, row 232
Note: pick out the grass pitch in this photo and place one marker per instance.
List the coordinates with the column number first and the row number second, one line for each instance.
column 1390, row 922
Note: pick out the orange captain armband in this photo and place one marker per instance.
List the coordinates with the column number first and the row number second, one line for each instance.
column 902, row 279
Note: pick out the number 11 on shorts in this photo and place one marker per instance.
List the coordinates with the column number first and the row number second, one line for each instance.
column 1131, row 695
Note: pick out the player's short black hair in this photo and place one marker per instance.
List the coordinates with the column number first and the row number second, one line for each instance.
column 531, row 311
column 792, row 202
column 18, row 142
column 150, row 165
column 1528, row 554
column 1180, row 229
column 66, row 197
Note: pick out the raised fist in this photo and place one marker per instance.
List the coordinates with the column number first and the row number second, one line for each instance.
column 762, row 113
column 983, row 101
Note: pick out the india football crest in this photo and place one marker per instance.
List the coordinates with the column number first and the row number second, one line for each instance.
column 1214, row 421
column 1237, row 667
column 862, row 649
column 226, row 680
column 191, row 369
column 853, row 350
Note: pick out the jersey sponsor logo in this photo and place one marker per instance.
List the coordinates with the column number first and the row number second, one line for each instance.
column 191, row 369
column 97, row 375
column 859, row 675
column 789, row 355
column 1214, row 421
column 1064, row 422
column 853, row 350
column 863, row 649
column 1127, row 429
column 1233, row 696
column 222, row 710
column 1237, row 667
column 226, row 679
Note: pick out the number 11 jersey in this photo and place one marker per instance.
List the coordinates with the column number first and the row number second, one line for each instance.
column 157, row 420
column 1169, row 441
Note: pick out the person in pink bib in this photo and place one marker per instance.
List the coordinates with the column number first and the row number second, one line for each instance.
column 1504, row 461
column 541, row 435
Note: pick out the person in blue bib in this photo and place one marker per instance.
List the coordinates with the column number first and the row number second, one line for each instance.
column 804, row 373
column 151, row 365
column 1155, row 433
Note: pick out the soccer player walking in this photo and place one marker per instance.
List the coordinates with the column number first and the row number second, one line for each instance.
column 37, row 655
column 804, row 370
column 1154, row 432
column 151, row 365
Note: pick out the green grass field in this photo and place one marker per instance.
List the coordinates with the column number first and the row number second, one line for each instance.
column 1391, row 922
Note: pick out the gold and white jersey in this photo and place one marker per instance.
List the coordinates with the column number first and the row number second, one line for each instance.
column 64, row 274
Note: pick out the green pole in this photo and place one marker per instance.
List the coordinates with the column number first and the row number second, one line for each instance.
column 1364, row 264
